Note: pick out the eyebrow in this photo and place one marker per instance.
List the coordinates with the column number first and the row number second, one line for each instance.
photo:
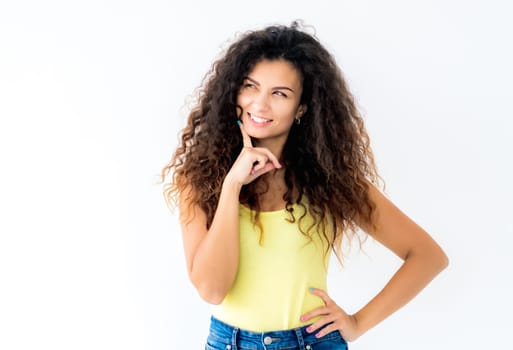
column 274, row 88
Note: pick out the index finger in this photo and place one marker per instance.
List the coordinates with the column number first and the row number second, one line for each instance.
column 322, row 294
column 246, row 140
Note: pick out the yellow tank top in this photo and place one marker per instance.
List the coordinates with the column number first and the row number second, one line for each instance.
column 271, row 289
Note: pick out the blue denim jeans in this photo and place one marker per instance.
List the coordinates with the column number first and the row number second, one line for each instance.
column 225, row 337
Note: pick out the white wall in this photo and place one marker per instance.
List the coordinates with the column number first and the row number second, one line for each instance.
column 92, row 96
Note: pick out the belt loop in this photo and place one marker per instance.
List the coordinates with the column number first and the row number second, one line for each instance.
column 234, row 338
column 300, row 341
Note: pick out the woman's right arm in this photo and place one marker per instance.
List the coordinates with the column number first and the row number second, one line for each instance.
column 212, row 255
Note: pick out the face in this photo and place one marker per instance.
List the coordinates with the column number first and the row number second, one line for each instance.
column 269, row 97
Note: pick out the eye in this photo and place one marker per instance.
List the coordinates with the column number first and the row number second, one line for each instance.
column 248, row 85
column 280, row 93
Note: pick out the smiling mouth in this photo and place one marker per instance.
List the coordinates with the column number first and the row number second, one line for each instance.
column 259, row 120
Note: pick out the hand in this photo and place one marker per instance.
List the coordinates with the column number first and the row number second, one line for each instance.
column 252, row 162
column 331, row 313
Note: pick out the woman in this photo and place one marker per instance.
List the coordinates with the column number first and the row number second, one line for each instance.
column 273, row 170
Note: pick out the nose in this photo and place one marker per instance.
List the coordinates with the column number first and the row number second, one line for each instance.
column 261, row 101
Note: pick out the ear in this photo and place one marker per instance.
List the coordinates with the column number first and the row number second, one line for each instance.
column 301, row 111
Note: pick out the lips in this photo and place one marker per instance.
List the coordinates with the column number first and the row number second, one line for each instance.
column 259, row 120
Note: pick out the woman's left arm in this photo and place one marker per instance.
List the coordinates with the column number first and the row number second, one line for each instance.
column 423, row 260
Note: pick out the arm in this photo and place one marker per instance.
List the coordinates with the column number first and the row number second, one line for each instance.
column 212, row 255
column 423, row 260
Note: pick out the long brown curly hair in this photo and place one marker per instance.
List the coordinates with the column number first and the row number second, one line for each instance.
column 327, row 157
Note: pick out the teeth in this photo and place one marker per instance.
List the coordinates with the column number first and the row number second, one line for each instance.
column 258, row 119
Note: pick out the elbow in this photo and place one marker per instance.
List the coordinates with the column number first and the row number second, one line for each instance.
column 208, row 291
column 211, row 296
column 434, row 259
column 439, row 260
column 444, row 261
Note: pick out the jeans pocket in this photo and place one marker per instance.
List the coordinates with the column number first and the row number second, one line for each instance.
column 213, row 344
column 332, row 341
column 329, row 345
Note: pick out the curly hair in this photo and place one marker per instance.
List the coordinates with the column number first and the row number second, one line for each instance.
column 327, row 158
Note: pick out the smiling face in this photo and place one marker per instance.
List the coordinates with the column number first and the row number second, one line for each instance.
column 269, row 98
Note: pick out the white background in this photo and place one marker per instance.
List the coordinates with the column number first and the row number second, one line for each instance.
column 93, row 94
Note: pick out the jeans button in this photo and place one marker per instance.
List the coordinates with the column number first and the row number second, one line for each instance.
column 268, row 340
column 228, row 347
column 308, row 347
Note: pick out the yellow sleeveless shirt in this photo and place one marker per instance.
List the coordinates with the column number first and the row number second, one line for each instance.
column 271, row 289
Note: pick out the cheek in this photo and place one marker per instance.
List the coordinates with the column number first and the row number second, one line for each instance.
column 242, row 100
column 239, row 103
column 287, row 111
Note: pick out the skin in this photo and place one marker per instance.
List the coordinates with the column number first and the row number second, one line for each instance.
column 422, row 259
column 272, row 92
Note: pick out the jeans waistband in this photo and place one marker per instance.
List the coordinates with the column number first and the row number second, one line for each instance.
column 236, row 338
